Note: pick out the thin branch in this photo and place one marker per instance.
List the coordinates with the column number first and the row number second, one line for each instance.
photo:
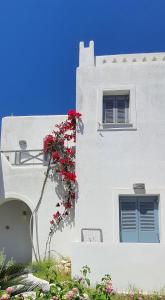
column 35, row 212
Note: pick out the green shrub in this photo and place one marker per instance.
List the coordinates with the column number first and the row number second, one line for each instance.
column 48, row 270
column 8, row 270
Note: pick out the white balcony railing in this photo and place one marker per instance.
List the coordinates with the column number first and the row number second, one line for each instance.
column 26, row 157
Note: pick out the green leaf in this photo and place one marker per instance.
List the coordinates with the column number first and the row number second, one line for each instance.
column 87, row 281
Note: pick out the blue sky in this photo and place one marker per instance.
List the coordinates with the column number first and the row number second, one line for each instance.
column 39, row 46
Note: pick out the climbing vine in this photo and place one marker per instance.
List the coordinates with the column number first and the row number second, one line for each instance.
column 59, row 147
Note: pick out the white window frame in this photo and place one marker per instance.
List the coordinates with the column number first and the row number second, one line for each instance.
column 117, row 90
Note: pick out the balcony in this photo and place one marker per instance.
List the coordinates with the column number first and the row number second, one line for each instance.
column 26, row 157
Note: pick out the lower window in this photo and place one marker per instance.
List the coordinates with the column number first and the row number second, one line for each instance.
column 139, row 219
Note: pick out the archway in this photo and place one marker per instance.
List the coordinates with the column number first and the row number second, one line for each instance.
column 14, row 230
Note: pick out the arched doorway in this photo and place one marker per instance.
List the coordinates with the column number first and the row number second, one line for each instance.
column 14, row 230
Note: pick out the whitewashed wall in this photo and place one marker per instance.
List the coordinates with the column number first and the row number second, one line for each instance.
column 25, row 182
column 110, row 162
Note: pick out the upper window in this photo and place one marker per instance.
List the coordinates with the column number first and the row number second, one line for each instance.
column 116, row 109
column 139, row 219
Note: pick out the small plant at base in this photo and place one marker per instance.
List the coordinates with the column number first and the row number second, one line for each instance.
column 8, row 270
column 48, row 270
column 85, row 271
column 104, row 290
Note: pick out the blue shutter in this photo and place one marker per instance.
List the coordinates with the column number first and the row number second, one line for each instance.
column 148, row 220
column 128, row 219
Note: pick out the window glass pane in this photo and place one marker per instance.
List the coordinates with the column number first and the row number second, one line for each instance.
column 122, row 109
column 108, row 109
column 115, row 108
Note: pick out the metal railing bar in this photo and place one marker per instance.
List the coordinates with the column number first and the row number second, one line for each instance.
column 12, row 151
column 28, row 164
column 31, row 157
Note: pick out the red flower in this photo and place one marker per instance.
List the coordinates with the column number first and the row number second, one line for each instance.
column 63, row 161
column 72, row 176
column 78, row 115
column 72, row 114
column 56, row 215
column 68, row 175
column 66, row 126
column 66, row 161
column 61, row 141
column 62, row 173
column 73, row 195
column 70, row 162
column 68, row 137
column 56, row 156
column 67, row 205
column 48, row 141
column 70, row 151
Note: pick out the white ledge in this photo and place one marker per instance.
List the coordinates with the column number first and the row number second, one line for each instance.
column 116, row 127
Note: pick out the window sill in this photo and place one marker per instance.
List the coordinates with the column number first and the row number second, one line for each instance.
column 116, row 127
column 140, row 243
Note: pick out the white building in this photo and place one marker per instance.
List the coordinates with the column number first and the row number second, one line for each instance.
column 119, row 226
column 23, row 173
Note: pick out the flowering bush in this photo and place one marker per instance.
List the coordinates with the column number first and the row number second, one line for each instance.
column 77, row 289
column 104, row 290
column 7, row 294
column 60, row 148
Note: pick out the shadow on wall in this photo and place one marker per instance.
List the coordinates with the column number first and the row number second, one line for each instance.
column 2, row 191
column 67, row 220
column 61, row 192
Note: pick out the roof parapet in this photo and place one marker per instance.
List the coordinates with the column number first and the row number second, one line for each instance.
column 134, row 58
column 86, row 55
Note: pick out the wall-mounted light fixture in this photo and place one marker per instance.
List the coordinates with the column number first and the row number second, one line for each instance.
column 23, row 144
column 139, row 188
column 24, row 213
